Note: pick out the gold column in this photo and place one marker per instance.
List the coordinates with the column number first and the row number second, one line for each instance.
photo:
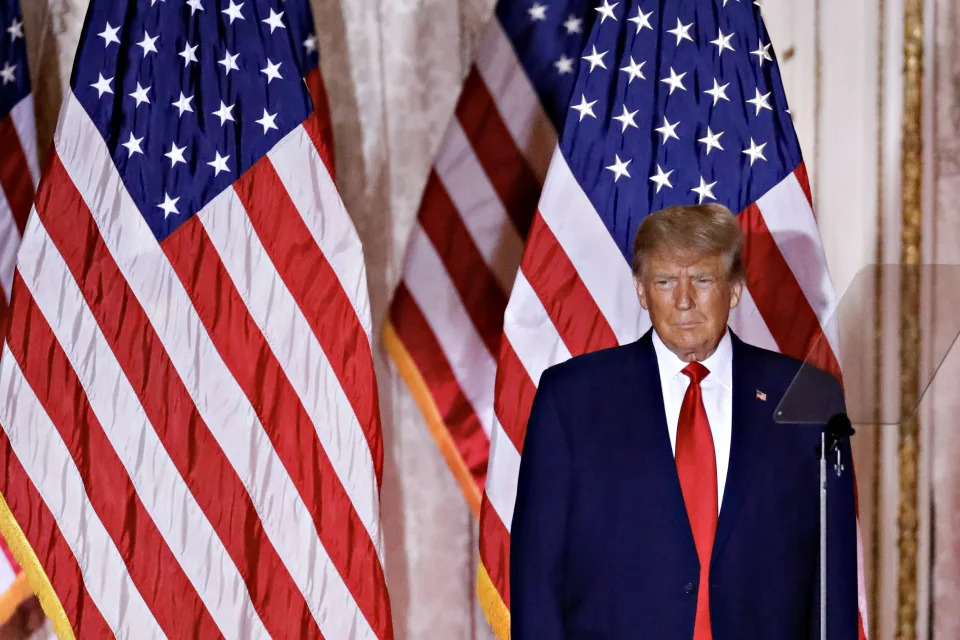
column 910, row 254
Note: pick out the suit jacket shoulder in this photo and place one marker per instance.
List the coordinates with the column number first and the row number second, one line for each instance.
column 803, row 392
column 588, row 372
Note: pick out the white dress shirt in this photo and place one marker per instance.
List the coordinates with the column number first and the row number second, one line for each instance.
column 717, row 390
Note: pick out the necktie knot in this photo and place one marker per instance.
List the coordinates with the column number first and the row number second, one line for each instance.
column 696, row 372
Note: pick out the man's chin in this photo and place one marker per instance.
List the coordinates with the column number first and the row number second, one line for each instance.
column 689, row 338
column 689, row 348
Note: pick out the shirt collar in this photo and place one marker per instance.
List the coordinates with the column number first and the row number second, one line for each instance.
column 720, row 362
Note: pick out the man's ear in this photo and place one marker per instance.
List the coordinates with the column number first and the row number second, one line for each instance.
column 641, row 293
column 736, row 292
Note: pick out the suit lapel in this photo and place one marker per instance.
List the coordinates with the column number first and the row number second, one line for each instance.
column 647, row 436
column 750, row 423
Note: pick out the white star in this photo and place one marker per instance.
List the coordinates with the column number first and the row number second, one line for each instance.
column 763, row 53
column 233, row 11
column 140, row 95
column 183, row 103
column 755, row 152
column 310, row 44
column 675, row 81
column 619, row 168
column 584, row 108
column 275, row 20
column 102, row 85
column 189, row 54
column 719, row 92
column 662, row 179
column 133, row 145
column 723, row 42
column 229, row 62
column 224, row 113
column 538, row 11
column 712, row 141
column 168, row 205
column 564, row 65
column 760, row 102
column 573, row 25
column 175, row 154
column 267, row 121
column 596, row 59
column 626, row 119
column 194, row 6
column 606, row 10
column 668, row 130
column 109, row 34
column 219, row 164
column 272, row 70
column 6, row 74
column 681, row 31
column 704, row 190
column 635, row 70
column 642, row 20
column 15, row 30
column 148, row 44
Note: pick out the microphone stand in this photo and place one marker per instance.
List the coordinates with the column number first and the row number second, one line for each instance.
column 837, row 427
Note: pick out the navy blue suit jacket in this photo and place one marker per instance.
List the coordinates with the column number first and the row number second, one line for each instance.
column 601, row 546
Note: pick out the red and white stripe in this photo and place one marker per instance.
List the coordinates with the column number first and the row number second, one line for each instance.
column 446, row 318
column 19, row 174
column 323, row 117
column 216, row 471
column 574, row 294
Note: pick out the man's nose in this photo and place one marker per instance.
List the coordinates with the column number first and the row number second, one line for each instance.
column 683, row 296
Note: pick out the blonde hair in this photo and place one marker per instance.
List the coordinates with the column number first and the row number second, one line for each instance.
column 697, row 229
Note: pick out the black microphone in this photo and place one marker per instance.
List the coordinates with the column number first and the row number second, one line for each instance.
column 837, row 428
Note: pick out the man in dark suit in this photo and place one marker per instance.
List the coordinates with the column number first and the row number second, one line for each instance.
column 657, row 497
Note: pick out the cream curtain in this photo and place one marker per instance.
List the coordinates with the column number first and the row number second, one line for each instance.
column 945, row 436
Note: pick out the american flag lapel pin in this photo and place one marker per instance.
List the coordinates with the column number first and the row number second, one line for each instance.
column 761, row 396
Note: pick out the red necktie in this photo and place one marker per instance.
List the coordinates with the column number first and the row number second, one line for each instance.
column 697, row 468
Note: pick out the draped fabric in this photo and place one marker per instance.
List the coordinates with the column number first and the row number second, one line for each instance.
column 945, row 438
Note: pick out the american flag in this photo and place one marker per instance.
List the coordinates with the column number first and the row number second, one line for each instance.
column 674, row 103
column 446, row 318
column 19, row 173
column 190, row 434
column 299, row 19
column 19, row 169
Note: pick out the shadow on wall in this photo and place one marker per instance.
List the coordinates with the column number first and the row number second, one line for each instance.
column 43, row 21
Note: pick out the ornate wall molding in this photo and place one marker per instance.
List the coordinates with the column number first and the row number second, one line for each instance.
column 910, row 344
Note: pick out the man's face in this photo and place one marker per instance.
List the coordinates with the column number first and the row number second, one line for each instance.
column 689, row 298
